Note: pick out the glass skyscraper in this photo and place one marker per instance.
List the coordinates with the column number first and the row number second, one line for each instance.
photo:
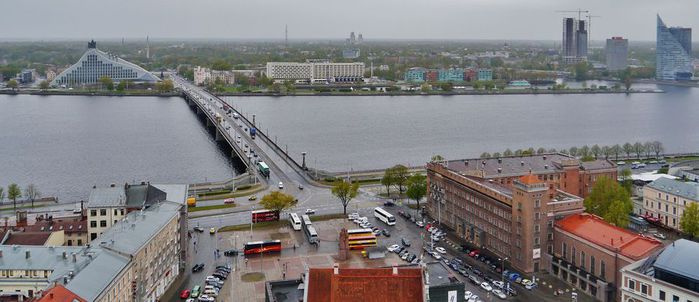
column 95, row 64
column 673, row 53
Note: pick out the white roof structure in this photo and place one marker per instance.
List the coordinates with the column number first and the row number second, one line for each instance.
column 95, row 64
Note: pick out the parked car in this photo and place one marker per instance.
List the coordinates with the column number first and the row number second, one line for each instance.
column 467, row 295
column 199, row 229
column 386, row 233
column 388, row 204
column 498, row 284
column 184, row 294
column 229, row 201
column 310, row 211
column 474, row 279
column 486, row 286
column 281, row 185
column 420, row 223
column 405, row 241
column 474, row 253
column 441, row 250
column 660, row 236
column 392, row 248
column 198, row 268
column 498, row 293
column 212, row 231
column 252, row 197
column 196, row 290
column 411, row 258
column 230, row 253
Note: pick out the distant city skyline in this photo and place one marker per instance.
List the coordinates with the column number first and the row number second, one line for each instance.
column 383, row 19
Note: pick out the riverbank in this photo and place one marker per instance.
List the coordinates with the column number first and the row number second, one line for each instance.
column 443, row 93
column 92, row 93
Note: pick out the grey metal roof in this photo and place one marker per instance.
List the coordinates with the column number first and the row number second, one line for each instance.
column 107, row 197
column 130, row 234
column 686, row 190
column 144, row 194
column 175, row 193
column 438, row 274
column 97, row 276
column 521, row 165
column 680, row 258
column 42, row 258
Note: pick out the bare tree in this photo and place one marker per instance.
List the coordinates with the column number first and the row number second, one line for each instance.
column 648, row 148
column 573, row 151
column 541, row 150
column 657, row 148
column 638, row 149
column 628, row 149
column 596, row 150
column 607, row 151
column 616, row 149
column 32, row 193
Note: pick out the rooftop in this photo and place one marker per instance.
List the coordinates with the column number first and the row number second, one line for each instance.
column 688, row 190
column 285, row 290
column 680, row 258
column 593, row 229
column 24, row 257
column 522, row 165
column 136, row 195
column 438, row 274
column 131, row 233
column 68, row 226
column 91, row 281
column 107, row 197
column 59, row 293
column 366, row 285
column 27, row 238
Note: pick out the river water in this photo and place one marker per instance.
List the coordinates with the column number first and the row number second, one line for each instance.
column 369, row 132
column 67, row 144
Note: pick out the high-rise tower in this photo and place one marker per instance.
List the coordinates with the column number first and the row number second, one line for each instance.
column 673, row 52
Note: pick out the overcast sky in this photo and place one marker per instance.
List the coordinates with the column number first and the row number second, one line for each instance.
column 334, row 19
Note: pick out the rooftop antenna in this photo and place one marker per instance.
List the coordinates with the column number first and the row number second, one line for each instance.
column 579, row 11
column 286, row 35
column 147, row 47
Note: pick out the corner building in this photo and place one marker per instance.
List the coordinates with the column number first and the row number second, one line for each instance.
column 508, row 206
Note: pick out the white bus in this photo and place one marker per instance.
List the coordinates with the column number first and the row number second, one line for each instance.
column 306, row 220
column 311, row 234
column 295, row 221
column 384, row 216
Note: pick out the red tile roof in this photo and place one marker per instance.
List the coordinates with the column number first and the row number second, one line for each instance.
column 68, row 226
column 530, row 179
column 365, row 285
column 27, row 238
column 593, row 229
column 59, row 293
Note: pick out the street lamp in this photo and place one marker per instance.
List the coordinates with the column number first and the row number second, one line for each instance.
column 253, row 120
column 502, row 268
column 303, row 166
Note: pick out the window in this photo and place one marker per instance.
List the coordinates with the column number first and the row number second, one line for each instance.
column 632, row 284
column 573, row 257
column 93, row 212
column 93, row 224
column 675, row 298
column 592, row 265
column 115, row 212
column 644, row 289
column 582, row 259
column 121, row 212
column 80, row 242
column 538, row 204
column 103, row 212
column 565, row 251
column 93, row 236
column 103, row 223
column 661, row 295
column 602, row 269
column 70, row 242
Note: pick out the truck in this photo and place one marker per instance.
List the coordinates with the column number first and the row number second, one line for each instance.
column 218, row 118
column 253, row 131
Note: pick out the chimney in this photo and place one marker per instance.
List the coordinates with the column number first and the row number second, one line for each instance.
column 521, row 163
column 546, row 167
column 94, row 186
column 26, row 254
column 65, row 255
column 544, row 157
column 499, row 160
column 112, row 185
column 395, row 270
column 51, row 296
column 336, row 269
column 75, row 257
column 499, row 170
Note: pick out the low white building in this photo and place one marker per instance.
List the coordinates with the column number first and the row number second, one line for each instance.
column 672, row 275
column 203, row 75
column 313, row 70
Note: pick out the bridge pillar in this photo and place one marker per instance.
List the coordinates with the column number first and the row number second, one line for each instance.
column 209, row 123
column 219, row 136
column 199, row 112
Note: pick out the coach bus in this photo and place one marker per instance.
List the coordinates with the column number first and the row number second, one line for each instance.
column 358, row 239
column 264, row 215
column 309, row 230
column 263, row 168
column 259, row 247
column 384, row 216
column 295, row 221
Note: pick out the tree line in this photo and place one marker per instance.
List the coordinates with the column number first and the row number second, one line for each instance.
column 14, row 191
column 637, row 149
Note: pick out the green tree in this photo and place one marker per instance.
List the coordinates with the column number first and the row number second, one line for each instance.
column 485, row 155
column 489, row 85
column 388, row 179
column 31, row 192
column 401, row 176
column 345, row 191
column 689, row 222
column 44, row 85
column 497, row 155
column 477, row 85
column 581, row 69
column 425, row 87
column 618, row 213
column 221, row 65
column 276, row 88
column 540, row 151
column 277, row 201
column 603, row 194
column 2, row 194
column 507, row 152
column 243, row 80
column 12, row 83
column 106, row 82
column 436, row 158
column 417, row 188
column 446, row 86
column 289, row 87
column 165, row 86
column 121, row 86
column 14, row 192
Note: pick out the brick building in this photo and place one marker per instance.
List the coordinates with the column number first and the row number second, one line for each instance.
column 589, row 254
column 365, row 284
column 508, row 205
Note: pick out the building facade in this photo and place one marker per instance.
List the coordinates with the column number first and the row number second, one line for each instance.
column 415, row 75
column 617, row 52
column 95, row 64
column 204, row 75
column 673, row 52
column 666, row 199
column 451, row 75
column 672, row 275
column 574, row 46
column 589, row 252
column 333, row 72
column 485, row 74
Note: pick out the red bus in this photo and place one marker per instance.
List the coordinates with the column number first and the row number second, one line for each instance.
column 258, row 247
column 264, row 215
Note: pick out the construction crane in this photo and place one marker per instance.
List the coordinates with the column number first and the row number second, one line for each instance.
column 579, row 11
column 589, row 27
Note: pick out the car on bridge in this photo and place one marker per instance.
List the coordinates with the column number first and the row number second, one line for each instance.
column 281, row 185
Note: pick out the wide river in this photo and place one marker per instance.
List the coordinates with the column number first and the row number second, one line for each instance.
column 67, row 144
column 368, row 132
